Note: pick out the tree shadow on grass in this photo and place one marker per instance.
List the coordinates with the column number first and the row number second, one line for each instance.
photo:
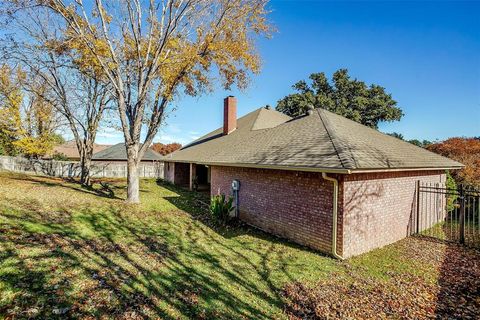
column 232, row 231
column 120, row 266
column 104, row 191
column 196, row 205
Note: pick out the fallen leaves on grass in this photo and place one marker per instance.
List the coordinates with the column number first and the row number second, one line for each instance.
column 355, row 295
column 459, row 282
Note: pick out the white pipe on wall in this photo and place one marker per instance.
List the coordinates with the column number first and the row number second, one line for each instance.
column 334, row 215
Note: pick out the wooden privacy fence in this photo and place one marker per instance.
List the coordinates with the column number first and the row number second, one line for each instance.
column 68, row 169
column 449, row 214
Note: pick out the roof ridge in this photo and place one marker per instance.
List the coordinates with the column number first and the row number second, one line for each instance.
column 385, row 135
column 256, row 117
column 350, row 161
column 268, row 119
column 337, row 143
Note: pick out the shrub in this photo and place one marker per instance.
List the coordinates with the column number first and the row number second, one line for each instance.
column 221, row 207
column 59, row 157
column 452, row 187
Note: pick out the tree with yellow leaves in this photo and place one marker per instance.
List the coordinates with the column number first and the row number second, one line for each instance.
column 152, row 51
column 11, row 98
column 63, row 81
column 27, row 122
column 39, row 123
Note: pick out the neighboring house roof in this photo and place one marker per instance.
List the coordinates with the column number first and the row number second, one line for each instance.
column 117, row 152
column 70, row 149
column 322, row 141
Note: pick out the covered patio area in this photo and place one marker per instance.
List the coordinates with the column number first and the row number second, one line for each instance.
column 195, row 177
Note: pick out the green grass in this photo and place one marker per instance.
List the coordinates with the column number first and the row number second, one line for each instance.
column 70, row 251
column 62, row 246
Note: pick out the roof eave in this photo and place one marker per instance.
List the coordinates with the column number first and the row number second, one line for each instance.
column 406, row 169
column 262, row 166
column 315, row 169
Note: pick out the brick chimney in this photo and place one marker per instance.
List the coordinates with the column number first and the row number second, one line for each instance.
column 229, row 114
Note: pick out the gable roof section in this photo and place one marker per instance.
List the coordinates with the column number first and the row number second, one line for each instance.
column 70, row 149
column 322, row 141
column 362, row 147
column 118, row 152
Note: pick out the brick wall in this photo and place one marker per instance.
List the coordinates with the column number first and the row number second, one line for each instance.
column 374, row 209
column 182, row 174
column 379, row 208
column 294, row 205
column 177, row 172
column 169, row 171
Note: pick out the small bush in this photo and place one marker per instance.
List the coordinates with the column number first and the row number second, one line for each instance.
column 221, row 207
column 59, row 157
column 451, row 185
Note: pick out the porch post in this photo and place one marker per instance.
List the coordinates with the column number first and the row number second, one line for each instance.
column 193, row 173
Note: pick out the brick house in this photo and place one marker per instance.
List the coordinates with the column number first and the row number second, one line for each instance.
column 320, row 180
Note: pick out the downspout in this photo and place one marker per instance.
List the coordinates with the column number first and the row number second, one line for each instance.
column 334, row 215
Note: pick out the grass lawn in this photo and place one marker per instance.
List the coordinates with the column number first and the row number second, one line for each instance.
column 70, row 252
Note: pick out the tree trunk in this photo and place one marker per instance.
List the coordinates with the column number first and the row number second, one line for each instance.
column 85, row 148
column 133, row 183
column 85, row 164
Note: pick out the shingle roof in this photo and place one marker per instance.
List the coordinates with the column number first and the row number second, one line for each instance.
column 320, row 141
column 118, row 152
column 70, row 149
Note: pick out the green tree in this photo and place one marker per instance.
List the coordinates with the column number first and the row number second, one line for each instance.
column 418, row 143
column 396, row 135
column 452, row 196
column 347, row 97
column 422, row 144
column 57, row 139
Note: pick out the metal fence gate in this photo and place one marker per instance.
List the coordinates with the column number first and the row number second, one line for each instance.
column 449, row 214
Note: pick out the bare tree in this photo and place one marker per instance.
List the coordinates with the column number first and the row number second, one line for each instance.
column 150, row 50
column 76, row 92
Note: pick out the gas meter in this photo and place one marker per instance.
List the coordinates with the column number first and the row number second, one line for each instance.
column 235, row 185
column 235, row 189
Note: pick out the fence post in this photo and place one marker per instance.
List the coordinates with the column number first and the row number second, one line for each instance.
column 418, row 206
column 462, row 214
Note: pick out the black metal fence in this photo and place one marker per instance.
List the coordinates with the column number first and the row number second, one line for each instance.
column 448, row 214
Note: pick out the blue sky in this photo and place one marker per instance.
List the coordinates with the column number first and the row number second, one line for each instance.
column 427, row 54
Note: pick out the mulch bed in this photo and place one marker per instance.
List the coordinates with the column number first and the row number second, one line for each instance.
column 353, row 295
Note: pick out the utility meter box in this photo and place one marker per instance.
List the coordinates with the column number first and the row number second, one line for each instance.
column 235, row 185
